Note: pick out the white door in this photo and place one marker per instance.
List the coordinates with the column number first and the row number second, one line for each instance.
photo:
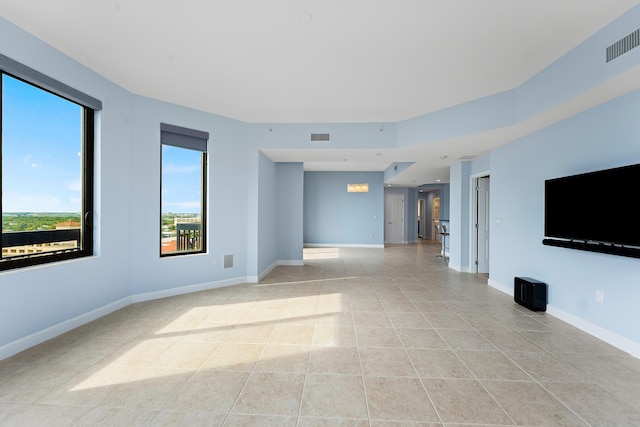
column 395, row 218
column 482, row 224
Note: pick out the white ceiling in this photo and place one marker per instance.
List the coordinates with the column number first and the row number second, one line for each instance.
column 293, row 61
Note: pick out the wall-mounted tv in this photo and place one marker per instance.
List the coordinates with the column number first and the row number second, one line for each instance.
column 597, row 211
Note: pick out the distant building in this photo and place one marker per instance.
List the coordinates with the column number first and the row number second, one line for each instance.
column 190, row 220
column 45, row 247
column 68, row 225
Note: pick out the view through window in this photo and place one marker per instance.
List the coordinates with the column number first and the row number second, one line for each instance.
column 183, row 189
column 45, row 155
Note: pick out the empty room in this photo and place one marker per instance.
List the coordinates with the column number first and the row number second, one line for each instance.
column 277, row 213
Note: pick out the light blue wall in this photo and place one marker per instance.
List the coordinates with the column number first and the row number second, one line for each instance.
column 226, row 225
column 412, row 216
column 268, row 214
column 459, row 209
column 334, row 217
column 290, row 196
column 34, row 300
column 40, row 302
column 483, row 114
column 604, row 137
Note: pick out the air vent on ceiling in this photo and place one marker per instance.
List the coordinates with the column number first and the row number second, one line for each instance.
column 467, row 157
column 623, row 45
column 319, row 137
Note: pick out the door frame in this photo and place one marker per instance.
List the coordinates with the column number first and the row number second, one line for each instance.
column 473, row 217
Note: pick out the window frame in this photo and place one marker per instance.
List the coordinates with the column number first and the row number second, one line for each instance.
column 188, row 139
column 89, row 106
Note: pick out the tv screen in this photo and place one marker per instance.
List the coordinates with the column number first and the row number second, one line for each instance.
column 599, row 207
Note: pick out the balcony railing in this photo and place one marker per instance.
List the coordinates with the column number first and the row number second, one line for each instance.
column 188, row 236
column 30, row 243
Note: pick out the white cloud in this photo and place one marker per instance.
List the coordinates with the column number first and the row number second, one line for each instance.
column 29, row 159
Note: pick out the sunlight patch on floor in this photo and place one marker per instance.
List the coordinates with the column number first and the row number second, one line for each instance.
column 321, row 253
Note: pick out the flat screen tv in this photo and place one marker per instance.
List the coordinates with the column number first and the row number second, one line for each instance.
column 596, row 211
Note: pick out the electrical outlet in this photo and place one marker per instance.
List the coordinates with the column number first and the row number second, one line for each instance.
column 600, row 297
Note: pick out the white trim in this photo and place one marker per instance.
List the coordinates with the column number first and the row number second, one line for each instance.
column 290, row 262
column 624, row 344
column 499, row 286
column 340, row 245
column 39, row 337
column 458, row 268
column 473, row 244
column 165, row 293
column 265, row 272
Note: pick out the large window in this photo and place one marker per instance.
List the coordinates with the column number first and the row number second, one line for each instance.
column 46, row 142
column 183, row 190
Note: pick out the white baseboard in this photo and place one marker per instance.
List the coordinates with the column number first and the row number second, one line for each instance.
column 263, row 274
column 456, row 267
column 150, row 296
column 340, row 245
column 290, row 262
column 39, row 337
column 499, row 286
column 624, row 344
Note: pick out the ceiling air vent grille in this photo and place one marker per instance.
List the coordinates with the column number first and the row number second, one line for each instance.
column 319, row 137
column 623, row 45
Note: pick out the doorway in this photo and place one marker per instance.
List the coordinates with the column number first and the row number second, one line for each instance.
column 395, row 218
column 422, row 229
column 435, row 215
column 481, row 224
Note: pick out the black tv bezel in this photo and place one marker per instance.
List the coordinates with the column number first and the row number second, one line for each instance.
column 564, row 240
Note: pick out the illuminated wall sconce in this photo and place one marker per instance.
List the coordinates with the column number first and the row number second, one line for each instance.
column 358, row 188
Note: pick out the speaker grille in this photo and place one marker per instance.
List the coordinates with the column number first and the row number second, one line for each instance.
column 623, row 45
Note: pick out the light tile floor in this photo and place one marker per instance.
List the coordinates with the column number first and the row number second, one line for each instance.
column 356, row 337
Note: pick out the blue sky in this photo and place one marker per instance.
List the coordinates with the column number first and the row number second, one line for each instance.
column 181, row 179
column 41, row 144
column 41, row 156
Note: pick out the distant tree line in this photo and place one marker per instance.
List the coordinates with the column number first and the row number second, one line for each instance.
column 35, row 221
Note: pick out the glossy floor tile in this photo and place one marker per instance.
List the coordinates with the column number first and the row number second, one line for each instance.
column 354, row 338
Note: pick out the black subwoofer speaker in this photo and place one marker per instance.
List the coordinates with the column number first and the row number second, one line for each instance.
column 530, row 293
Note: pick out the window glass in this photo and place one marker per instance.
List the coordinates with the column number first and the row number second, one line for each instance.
column 46, row 175
column 182, row 205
